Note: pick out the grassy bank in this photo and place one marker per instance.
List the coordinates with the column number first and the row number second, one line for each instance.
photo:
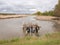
column 48, row 39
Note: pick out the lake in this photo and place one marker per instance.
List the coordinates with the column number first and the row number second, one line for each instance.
column 11, row 28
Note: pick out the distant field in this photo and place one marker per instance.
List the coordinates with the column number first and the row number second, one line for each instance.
column 48, row 39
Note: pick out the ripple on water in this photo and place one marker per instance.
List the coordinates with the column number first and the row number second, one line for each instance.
column 10, row 28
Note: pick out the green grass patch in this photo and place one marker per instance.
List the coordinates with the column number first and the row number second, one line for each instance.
column 48, row 39
column 9, row 41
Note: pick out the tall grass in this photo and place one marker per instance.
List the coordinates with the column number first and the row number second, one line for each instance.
column 9, row 41
column 48, row 39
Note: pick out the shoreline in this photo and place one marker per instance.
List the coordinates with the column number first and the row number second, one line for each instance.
column 11, row 16
column 47, row 18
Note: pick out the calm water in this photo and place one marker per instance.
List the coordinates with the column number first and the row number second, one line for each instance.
column 10, row 28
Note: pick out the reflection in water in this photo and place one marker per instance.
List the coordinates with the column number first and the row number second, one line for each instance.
column 57, row 26
column 10, row 28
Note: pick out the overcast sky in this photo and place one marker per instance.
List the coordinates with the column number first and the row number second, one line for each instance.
column 26, row 5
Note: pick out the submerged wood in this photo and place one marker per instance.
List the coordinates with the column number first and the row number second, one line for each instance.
column 30, row 29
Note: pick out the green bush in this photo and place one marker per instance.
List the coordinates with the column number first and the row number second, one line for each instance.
column 48, row 13
column 37, row 13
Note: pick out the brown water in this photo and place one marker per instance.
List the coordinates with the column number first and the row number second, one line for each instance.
column 11, row 28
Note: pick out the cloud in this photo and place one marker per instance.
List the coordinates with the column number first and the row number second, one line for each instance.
column 27, row 5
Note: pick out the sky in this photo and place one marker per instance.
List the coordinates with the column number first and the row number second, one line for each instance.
column 27, row 6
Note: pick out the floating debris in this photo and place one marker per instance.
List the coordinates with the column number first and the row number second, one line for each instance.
column 30, row 29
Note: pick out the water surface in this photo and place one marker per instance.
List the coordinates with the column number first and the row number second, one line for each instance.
column 10, row 28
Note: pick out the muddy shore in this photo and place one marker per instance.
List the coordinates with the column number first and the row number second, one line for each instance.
column 37, row 17
column 47, row 18
column 11, row 16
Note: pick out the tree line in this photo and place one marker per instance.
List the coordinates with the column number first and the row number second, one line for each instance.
column 57, row 9
column 55, row 12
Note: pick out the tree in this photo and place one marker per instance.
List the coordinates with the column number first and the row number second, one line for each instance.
column 57, row 9
column 48, row 13
column 37, row 13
